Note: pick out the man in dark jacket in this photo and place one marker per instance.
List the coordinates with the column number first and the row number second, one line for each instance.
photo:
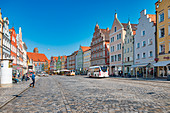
column 33, row 80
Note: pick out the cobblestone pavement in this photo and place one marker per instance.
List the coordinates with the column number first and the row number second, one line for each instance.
column 7, row 93
column 77, row 94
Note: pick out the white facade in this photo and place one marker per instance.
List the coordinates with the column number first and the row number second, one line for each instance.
column 144, row 46
column 6, row 43
column 25, row 66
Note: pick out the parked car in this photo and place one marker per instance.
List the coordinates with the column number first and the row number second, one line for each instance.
column 42, row 74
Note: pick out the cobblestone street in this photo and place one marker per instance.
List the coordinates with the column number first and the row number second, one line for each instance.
column 79, row 94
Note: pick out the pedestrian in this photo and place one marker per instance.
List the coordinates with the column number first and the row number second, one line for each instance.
column 33, row 80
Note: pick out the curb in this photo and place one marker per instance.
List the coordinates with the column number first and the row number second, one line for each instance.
column 12, row 98
column 142, row 80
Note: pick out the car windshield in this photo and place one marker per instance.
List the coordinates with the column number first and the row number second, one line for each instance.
column 104, row 68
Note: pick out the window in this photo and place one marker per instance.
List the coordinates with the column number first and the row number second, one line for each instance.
column 168, row 13
column 161, row 17
column 130, row 49
column 118, row 36
column 144, row 55
column 162, row 48
column 143, row 33
column 0, row 27
column 150, row 54
column 138, row 56
column 113, row 49
column 128, row 59
column 112, row 58
column 150, row 41
column 161, row 33
column 138, row 45
column 115, row 29
column 119, row 57
column 143, row 43
column 169, row 30
column 115, row 57
column 128, row 41
column 119, row 46
column 127, row 50
column 112, row 39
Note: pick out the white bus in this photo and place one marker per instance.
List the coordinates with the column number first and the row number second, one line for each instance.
column 98, row 71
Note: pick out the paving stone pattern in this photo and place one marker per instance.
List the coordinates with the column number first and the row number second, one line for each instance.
column 80, row 94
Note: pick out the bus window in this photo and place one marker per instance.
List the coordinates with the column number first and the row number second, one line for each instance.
column 104, row 68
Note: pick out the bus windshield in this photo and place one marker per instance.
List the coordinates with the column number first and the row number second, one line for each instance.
column 104, row 68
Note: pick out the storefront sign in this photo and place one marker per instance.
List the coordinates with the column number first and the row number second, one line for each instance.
column 167, row 57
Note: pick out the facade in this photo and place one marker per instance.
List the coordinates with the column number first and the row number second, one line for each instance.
column 36, row 60
column 6, row 41
column 68, row 62
column 1, row 33
column 19, row 52
column 79, row 59
column 163, row 37
column 63, row 62
column 100, row 47
column 53, row 63
column 25, row 66
column 72, row 61
column 117, row 36
column 13, row 36
column 58, row 65
column 86, row 60
column 128, row 48
column 144, row 46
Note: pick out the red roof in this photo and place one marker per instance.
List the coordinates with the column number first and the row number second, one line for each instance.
column 37, row 57
column 153, row 18
column 85, row 48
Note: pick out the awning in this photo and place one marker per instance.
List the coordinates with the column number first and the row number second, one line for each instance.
column 139, row 65
column 162, row 63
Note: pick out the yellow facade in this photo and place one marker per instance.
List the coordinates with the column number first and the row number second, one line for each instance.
column 162, row 7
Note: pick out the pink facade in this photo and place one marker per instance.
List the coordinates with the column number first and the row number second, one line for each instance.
column 100, row 47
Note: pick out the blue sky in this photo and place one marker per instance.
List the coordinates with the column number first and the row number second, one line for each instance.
column 59, row 27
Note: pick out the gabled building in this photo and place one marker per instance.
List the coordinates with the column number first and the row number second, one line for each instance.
column 53, row 63
column 63, row 62
column 38, row 60
column 6, row 41
column 1, row 33
column 79, row 59
column 117, row 36
column 58, row 65
column 13, row 36
column 25, row 65
column 128, row 49
column 86, row 60
column 100, row 47
column 72, row 61
column 144, row 46
column 163, row 37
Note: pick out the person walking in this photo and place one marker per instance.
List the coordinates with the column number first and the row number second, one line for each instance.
column 33, row 80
